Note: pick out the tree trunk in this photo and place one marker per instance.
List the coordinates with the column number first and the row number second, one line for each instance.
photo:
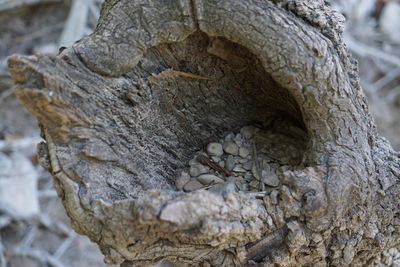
column 123, row 110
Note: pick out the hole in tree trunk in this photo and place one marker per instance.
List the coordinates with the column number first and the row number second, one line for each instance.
column 198, row 90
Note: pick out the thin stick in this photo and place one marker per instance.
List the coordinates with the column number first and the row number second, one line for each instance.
column 204, row 160
column 75, row 25
column 65, row 245
column 364, row 50
column 257, row 194
column 261, row 186
column 39, row 255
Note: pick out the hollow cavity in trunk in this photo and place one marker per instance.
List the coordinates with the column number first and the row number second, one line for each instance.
column 200, row 89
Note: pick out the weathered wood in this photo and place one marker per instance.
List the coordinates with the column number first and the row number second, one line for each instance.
column 125, row 108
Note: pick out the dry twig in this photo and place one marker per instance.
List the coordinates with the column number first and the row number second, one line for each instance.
column 365, row 50
column 206, row 161
column 76, row 23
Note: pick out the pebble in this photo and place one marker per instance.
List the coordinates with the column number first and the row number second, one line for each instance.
column 230, row 163
column 214, row 149
column 182, row 180
column 242, row 160
column 254, row 184
column 247, row 165
column 231, row 148
column 215, row 158
column 284, row 168
column 229, row 137
column 234, row 152
column 274, row 197
column 238, row 181
column 270, row 178
column 221, row 163
column 248, row 176
column 244, row 187
column 193, row 185
column 247, row 132
column 207, row 179
column 224, row 188
column 244, row 152
column 255, row 172
column 196, row 170
column 193, row 162
column 238, row 168
column 238, row 139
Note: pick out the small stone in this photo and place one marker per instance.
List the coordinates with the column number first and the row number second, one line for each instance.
column 221, row 163
column 242, row 160
column 207, row 179
column 230, row 163
column 198, row 169
column 244, row 187
column 247, row 132
column 224, row 188
column 238, row 139
column 231, row 148
column 193, row 185
column 214, row 149
column 238, row 168
column 215, row 158
column 255, row 172
column 248, row 176
column 238, row 181
column 247, row 165
column 229, row 137
column 254, row 184
column 193, row 162
column 270, row 178
column 274, row 197
column 244, row 152
column 183, row 179
column 284, row 168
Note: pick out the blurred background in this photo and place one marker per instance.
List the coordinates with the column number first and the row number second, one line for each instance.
column 34, row 229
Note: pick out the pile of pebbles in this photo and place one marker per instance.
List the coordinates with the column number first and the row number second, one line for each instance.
column 251, row 160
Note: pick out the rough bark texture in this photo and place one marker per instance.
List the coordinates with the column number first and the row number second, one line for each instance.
column 123, row 110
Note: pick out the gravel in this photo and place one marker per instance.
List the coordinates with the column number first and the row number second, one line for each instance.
column 246, row 169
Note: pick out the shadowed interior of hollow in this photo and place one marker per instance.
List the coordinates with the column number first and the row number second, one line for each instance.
column 198, row 89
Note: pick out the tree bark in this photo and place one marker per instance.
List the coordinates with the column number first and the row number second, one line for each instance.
column 124, row 109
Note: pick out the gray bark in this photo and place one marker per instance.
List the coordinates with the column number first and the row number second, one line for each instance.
column 123, row 110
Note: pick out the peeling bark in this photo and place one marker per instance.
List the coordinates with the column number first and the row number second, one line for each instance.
column 123, row 110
